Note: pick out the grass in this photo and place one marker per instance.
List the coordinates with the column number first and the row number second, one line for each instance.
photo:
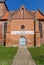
column 7, row 54
column 37, row 54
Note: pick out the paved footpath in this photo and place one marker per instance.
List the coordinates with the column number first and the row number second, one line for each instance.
column 23, row 57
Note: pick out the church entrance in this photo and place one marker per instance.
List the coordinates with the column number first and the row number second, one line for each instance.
column 22, row 41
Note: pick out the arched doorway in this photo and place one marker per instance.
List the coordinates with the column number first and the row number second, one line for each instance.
column 22, row 41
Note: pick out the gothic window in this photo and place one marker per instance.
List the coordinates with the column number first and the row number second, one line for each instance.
column 40, row 28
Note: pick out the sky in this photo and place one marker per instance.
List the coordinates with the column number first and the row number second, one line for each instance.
column 29, row 4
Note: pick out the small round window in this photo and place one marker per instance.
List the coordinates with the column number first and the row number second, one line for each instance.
column 22, row 27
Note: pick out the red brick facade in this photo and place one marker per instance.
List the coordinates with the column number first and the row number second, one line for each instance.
column 21, row 24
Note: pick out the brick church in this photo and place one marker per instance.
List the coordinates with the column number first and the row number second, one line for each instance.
column 22, row 27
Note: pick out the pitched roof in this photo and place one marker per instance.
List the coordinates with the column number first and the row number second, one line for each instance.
column 22, row 11
column 40, row 15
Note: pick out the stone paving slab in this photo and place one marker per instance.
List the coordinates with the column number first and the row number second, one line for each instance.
column 23, row 57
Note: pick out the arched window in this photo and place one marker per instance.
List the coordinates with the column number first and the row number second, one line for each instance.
column 40, row 28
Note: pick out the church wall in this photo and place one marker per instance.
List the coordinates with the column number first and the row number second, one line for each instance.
column 15, row 25
column 37, row 33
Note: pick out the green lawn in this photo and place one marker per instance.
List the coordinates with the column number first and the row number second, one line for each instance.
column 38, row 54
column 7, row 54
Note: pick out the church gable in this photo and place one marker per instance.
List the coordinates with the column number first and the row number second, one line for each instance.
column 22, row 13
